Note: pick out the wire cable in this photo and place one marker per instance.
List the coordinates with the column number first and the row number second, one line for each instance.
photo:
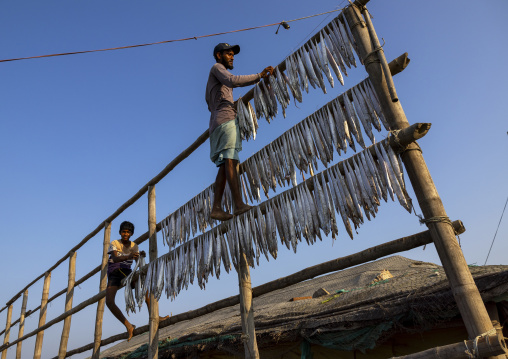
column 496, row 231
column 168, row 41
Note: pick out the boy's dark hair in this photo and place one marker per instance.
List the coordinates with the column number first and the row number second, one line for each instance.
column 126, row 225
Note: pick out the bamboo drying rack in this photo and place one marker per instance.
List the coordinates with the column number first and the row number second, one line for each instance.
column 470, row 304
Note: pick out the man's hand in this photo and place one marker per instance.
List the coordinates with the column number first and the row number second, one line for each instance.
column 142, row 254
column 134, row 256
column 267, row 72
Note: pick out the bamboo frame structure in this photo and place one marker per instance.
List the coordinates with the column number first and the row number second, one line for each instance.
column 440, row 233
column 7, row 330
column 21, row 323
column 463, row 287
column 153, row 335
column 102, row 287
column 62, row 350
column 42, row 317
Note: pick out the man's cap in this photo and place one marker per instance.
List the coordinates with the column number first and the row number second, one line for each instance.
column 225, row 46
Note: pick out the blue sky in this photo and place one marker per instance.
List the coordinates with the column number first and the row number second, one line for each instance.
column 80, row 134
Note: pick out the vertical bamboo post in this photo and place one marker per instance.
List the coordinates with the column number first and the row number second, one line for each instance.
column 42, row 316
column 247, row 310
column 62, row 350
column 21, row 323
column 153, row 336
column 102, row 287
column 7, row 330
column 466, row 293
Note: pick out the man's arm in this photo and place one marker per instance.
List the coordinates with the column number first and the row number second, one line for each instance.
column 230, row 80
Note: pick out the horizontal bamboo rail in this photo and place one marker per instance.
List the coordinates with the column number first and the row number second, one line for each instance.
column 370, row 254
column 487, row 346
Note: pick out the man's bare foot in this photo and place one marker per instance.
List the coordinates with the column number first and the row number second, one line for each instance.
column 163, row 318
column 130, row 331
column 220, row 215
column 242, row 209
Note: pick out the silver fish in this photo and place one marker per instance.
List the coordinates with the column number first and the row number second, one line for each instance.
column 317, row 70
column 313, row 80
column 349, row 46
column 304, row 82
column 368, row 106
column 349, row 34
column 337, row 48
column 367, row 126
column 353, row 120
column 334, row 66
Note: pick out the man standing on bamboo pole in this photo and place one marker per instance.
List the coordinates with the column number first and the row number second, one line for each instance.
column 225, row 142
column 122, row 252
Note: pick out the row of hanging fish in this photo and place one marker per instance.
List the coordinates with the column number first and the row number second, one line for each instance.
column 331, row 50
column 350, row 190
column 335, row 127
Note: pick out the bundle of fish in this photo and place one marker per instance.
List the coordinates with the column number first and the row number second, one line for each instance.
column 352, row 189
column 139, row 288
column 334, row 127
column 330, row 50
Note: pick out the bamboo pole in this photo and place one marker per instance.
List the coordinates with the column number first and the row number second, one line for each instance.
column 370, row 254
column 247, row 310
column 102, row 287
column 68, row 306
column 21, row 323
column 42, row 317
column 153, row 335
column 7, row 330
column 463, row 287
column 486, row 347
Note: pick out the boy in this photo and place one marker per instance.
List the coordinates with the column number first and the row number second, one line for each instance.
column 122, row 252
